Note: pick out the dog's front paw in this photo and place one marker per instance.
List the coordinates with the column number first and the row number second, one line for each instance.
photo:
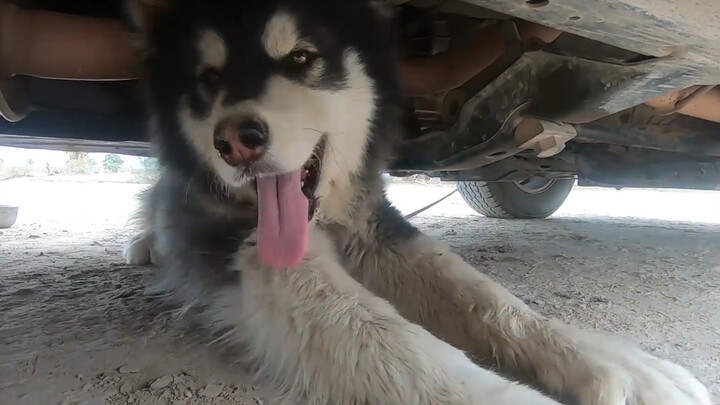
column 614, row 373
column 140, row 251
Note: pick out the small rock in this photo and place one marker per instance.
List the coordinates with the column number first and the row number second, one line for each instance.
column 161, row 382
column 165, row 393
column 87, row 387
column 125, row 369
column 126, row 388
column 34, row 237
column 212, row 390
column 188, row 394
column 24, row 292
column 562, row 295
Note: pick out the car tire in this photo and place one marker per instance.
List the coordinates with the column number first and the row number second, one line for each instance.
column 514, row 200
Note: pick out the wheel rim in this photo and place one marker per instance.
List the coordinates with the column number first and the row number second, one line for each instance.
column 534, row 185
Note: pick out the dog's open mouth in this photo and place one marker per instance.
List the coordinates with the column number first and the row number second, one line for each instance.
column 286, row 204
column 310, row 176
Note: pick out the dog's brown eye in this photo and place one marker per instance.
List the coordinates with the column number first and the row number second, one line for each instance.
column 300, row 57
column 210, row 76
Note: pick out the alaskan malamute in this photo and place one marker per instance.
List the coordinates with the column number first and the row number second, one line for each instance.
column 273, row 120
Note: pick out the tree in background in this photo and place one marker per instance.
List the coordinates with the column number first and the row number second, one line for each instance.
column 149, row 164
column 80, row 163
column 15, row 171
column 112, row 163
column 150, row 170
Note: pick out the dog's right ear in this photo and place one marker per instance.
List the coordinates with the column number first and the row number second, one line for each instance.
column 145, row 15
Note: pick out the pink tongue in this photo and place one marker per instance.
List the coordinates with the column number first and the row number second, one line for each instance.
column 282, row 220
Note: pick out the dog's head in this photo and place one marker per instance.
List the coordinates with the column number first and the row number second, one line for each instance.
column 250, row 88
column 289, row 92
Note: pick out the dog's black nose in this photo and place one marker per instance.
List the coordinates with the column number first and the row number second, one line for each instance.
column 241, row 143
column 253, row 134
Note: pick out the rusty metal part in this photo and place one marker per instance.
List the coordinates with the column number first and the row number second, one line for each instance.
column 449, row 78
column 698, row 101
column 14, row 104
column 57, row 46
column 467, row 57
column 530, row 30
column 63, row 46
column 683, row 31
column 452, row 104
column 648, row 27
column 641, row 127
column 619, row 166
column 538, row 84
column 13, row 95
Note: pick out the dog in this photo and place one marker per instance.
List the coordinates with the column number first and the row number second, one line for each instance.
column 273, row 121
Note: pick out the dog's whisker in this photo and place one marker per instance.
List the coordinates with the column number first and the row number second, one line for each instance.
column 187, row 188
column 314, row 130
column 224, row 338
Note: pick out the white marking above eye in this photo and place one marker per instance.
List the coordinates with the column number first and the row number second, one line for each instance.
column 281, row 35
column 213, row 51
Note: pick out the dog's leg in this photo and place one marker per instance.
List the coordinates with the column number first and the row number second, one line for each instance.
column 322, row 338
column 140, row 249
column 434, row 287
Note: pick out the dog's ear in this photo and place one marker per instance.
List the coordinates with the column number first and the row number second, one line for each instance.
column 144, row 15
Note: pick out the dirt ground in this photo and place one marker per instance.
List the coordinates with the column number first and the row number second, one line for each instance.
column 75, row 326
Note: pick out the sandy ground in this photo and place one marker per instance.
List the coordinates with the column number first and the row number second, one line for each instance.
column 75, row 326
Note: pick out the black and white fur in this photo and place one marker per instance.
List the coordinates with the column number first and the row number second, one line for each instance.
column 377, row 313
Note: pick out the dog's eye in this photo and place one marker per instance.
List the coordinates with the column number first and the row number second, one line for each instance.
column 210, row 76
column 301, row 57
